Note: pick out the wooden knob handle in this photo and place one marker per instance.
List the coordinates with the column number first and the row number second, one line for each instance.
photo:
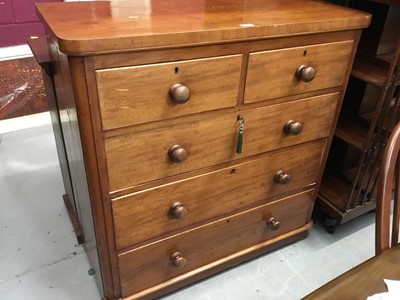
column 274, row 224
column 177, row 153
column 293, row 127
column 282, row 178
column 179, row 93
column 178, row 211
column 305, row 73
column 177, row 260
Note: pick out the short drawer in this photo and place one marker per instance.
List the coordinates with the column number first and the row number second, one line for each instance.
column 150, row 155
column 150, row 213
column 278, row 73
column 158, row 262
column 140, row 94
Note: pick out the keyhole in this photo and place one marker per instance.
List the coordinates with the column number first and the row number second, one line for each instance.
column 176, row 70
column 305, row 53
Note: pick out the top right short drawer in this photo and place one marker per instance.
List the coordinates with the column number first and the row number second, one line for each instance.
column 285, row 72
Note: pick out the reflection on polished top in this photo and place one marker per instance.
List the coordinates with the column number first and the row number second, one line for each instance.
column 89, row 27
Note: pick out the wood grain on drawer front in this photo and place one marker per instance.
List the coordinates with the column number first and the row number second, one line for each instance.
column 272, row 74
column 150, row 265
column 140, row 94
column 143, row 156
column 146, row 214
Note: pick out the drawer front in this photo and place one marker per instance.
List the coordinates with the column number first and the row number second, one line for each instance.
column 151, row 213
column 144, row 156
column 150, row 265
column 140, row 94
column 272, row 74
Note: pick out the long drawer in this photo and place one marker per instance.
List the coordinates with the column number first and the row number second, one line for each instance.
column 140, row 94
column 145, row 156
column 166, row 208
column 273, row 74
column 160, row 261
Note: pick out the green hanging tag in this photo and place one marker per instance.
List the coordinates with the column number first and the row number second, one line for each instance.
column 239, row 144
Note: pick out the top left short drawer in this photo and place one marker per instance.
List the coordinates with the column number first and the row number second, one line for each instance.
column 145, row 93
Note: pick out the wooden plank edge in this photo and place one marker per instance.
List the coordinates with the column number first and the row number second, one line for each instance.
column 74, row 220
column 222, row 264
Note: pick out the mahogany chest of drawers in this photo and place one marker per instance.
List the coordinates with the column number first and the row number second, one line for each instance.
column 192, row 134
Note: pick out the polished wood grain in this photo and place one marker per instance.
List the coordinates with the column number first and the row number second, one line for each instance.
column 201, row 246
column 387, row 231
column 223, row 264
column 78, row 135
column 78, row 162
column 141, row 157
column 140, row 94
column 272, row 74
column 153, row 56
column 146, row 214
column 364, row 280
column 40, row 51
column 124, row 25
column 172, row 202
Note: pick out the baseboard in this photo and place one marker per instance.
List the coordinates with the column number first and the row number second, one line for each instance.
column 20, row 123
column 15, row 52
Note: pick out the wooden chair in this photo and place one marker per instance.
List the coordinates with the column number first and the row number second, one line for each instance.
column 388, row 177
column 366, row 279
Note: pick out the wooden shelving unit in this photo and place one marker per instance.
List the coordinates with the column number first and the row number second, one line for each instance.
column 355, row 137
column 370, row 69
column 371, row 108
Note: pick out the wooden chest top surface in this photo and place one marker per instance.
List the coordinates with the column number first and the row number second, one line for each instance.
column 104, row 26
